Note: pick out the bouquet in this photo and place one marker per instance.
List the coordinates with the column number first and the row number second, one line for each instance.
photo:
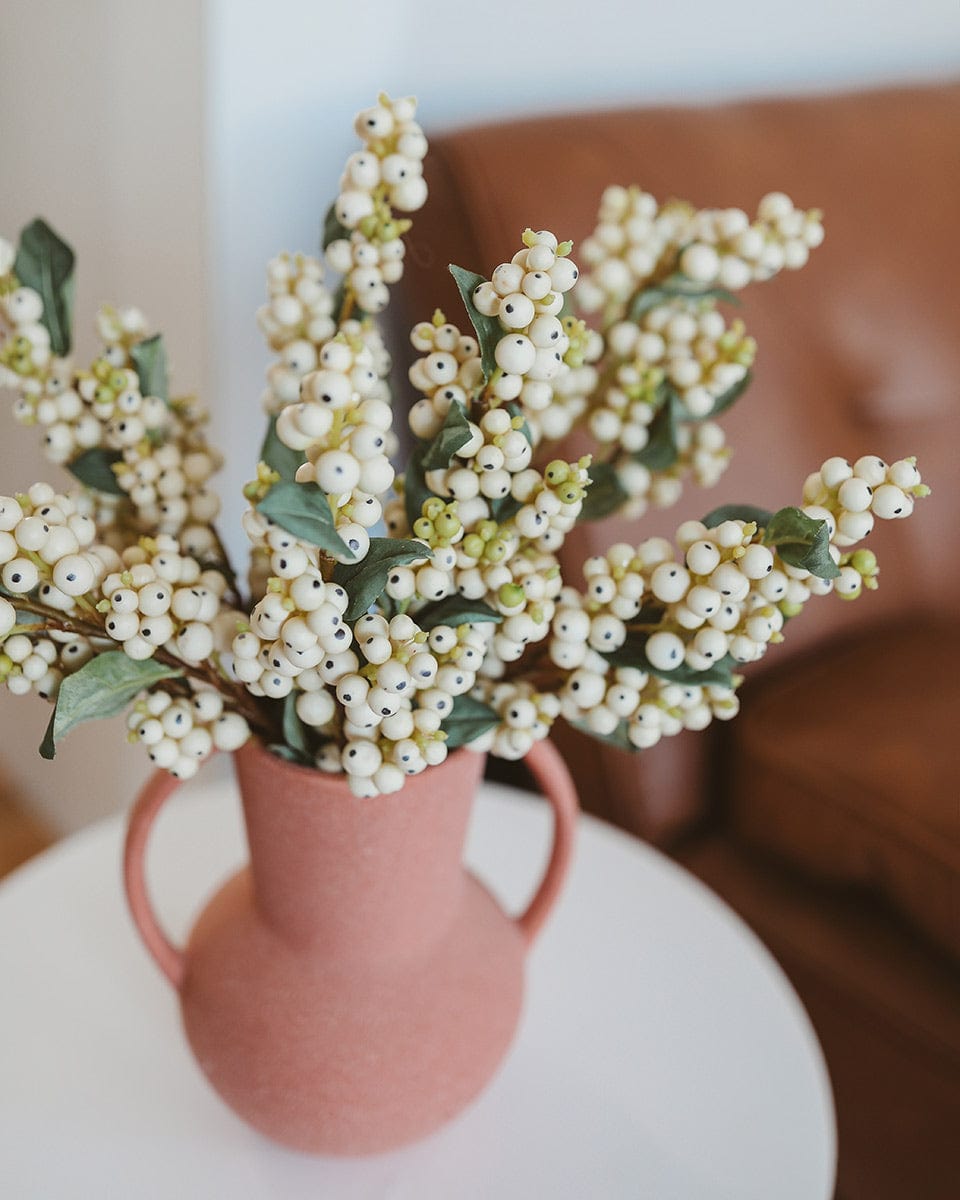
column 389, row 615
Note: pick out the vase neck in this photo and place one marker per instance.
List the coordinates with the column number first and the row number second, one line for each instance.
column 366, row 879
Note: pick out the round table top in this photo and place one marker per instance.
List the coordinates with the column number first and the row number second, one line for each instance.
column 661, row 1053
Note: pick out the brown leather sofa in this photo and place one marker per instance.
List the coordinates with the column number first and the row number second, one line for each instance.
column 827, row 813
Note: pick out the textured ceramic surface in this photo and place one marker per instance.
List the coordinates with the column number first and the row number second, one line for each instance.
column 354, row 987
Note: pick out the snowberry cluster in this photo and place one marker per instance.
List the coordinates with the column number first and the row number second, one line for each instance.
column 496, row 453
column 386, row 175
column 522, row 588
column 449, row 371
column 29, row 664
column 179, row 733
column 160, row 597
column 644, row 707
column 24, row 339
column 696, row 353
column 48, row 546
column 292, row 628
column 572, row 388
column 168, row 484
column 342, row 428
column 724, row 247
column 395, row 702
column 526, row 716
column 526, row 297
column 120, row 329
column 855, row 495
column 636, row 238
column 296, row 321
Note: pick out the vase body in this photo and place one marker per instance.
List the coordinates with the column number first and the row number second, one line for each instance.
column 353, row 987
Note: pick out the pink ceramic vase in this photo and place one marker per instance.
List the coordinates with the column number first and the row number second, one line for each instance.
column 354, row 987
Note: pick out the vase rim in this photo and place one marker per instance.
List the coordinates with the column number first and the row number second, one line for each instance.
column 255, row 748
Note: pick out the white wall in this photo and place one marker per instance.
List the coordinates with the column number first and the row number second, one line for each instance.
column 179, row 144
column 101, row 132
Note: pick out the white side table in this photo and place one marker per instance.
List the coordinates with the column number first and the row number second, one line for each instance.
column 662, row 1053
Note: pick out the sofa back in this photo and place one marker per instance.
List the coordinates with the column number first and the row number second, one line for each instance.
column 858, row 353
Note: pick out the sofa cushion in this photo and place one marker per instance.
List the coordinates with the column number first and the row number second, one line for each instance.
column 847, row 763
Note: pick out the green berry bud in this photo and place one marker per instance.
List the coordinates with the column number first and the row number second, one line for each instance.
column 473, row 545
column 557, row 472
column 447, row 525
column 510, row 595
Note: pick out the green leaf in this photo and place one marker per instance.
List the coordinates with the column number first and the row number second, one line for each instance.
column 289, row 755
column 303, row 510
column 456, row 610
column 93, row 468
column 801, row 541
column 676, row 287
column 503, row 509
column 45, row 263
column 102, row 687
column 454, row 434
column 415, row 490
column 661, row 450
column 366, row 580
column 150, row 361
column 737, row 512
column 295, row 733
column 488, row 329
column 604, row 495
column 279, row 457
column 333, row 231
column 633, row 654
column 723, row 401
column 618, row 738
column 469, row 719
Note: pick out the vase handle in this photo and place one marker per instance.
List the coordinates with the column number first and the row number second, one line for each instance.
column 157, row 790
column 550, row 772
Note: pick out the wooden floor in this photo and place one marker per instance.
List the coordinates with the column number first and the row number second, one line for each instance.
column 21, row 834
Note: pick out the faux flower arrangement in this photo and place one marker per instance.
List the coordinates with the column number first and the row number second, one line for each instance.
column 374, row 653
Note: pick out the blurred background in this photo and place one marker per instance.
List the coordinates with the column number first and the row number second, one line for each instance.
column 179, row 144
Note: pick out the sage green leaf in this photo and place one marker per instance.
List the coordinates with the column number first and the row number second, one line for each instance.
column 604, row 495
column 102, row 687
column 366, row 580
column 737, row 512
column 333, row 231
column 723, row 401
column 415, row 490
column 289, row 755
column 514, row 409
column 661, row 450
column 279, row 457
column 93, row 468
column 801, row 541
column 303, row 510
column 618, row 738
column 633, row 654
column 45, row 263
column 456, row 610
column 454, row 433
column 488, row 329
column 150, row 362
column 676, row 287
column 503, row 509
column 468, row 720
column 295, row 733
